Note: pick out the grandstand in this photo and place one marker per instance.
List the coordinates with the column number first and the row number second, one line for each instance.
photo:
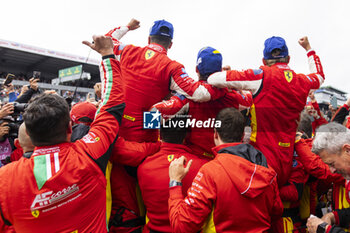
column 22, row 60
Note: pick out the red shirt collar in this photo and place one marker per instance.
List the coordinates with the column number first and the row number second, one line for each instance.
column 157, row 48
column 222, row 146
column 282, row 65
column 41, row 150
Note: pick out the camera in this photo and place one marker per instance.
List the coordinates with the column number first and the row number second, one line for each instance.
column 14, row 127
column 18, row 108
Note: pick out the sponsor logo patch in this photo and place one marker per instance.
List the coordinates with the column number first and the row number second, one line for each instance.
column 288, row 75
column 149, row 54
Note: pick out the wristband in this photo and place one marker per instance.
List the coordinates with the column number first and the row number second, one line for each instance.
column 174, row 183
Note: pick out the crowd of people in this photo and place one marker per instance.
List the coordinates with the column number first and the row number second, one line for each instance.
column 235, row 151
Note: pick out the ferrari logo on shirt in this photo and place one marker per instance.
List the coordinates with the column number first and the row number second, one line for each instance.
column 288, row 75
column 149, row 54
column 35, row 213
column 76, row 231
column 170, row 158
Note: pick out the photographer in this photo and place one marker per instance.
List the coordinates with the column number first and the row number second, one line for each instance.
column 32, row 90
column 5, row 146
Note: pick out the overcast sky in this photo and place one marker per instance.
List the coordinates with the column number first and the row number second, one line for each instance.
column 236, row 28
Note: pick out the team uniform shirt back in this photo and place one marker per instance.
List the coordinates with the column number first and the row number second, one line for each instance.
column 154, row 183
column 149, row 75
column 279, row 95
column 62, row 188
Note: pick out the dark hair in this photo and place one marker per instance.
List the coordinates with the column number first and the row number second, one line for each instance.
column 47, row 120
column 161, row 40
column 232, row 125
column 173, row 134
column 305, row 125
column 275, row 53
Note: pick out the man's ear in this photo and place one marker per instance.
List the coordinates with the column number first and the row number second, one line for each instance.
column 346, row 148
column 69, row 129
column 216, row 134
column 171, row 44
column 149, row 40
column 288, row 59
column 264, row 62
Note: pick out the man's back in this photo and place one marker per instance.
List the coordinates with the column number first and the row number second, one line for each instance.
column 146, row 78
column 154, row 170
column 279, row 95
column 236, row 194
column 274, row 115
column 69, row 178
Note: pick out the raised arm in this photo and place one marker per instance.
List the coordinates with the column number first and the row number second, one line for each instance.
column 99, row 142
column 117, row 33
column 316, row 76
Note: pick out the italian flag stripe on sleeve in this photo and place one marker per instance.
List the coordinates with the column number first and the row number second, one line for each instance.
column 106, row 71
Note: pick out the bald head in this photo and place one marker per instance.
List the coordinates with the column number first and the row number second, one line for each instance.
column 24, row 139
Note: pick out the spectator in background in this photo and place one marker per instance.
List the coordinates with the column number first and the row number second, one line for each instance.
column 313, row 109
column 5, row 146
column 81, row 115
column 154, row 170
column 235, row 192
column 340, row 115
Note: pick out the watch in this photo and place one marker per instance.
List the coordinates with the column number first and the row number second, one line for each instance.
column 321, row 228
column 174, row 183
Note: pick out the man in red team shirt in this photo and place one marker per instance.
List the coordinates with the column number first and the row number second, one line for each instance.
column 200, row 139
column 235, row 192
column 153, row 174
column 149, row 76
column 279, row 95
column 62, row 187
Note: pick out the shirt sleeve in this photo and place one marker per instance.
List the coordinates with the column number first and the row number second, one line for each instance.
column 116, row 34
column 183, row 84
column 177, row 104
column 250, row 79
column 316, row 76
column 313, row 164
column 341, row 113
column 99, row 142
column 189, row 214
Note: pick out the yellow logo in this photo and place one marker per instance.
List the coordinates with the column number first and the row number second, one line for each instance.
column 288, row 75
column 130, row 118
column 76, row 231
column 149, row 54
column 284, row 144
column 170, row 158
column 97, row 139
column 35, row 213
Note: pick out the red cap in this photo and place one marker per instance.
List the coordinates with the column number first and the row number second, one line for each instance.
column 83, row 109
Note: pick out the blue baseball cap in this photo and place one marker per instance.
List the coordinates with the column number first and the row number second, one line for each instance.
column 162, row 28
column 209, row 61
column 272, row 43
